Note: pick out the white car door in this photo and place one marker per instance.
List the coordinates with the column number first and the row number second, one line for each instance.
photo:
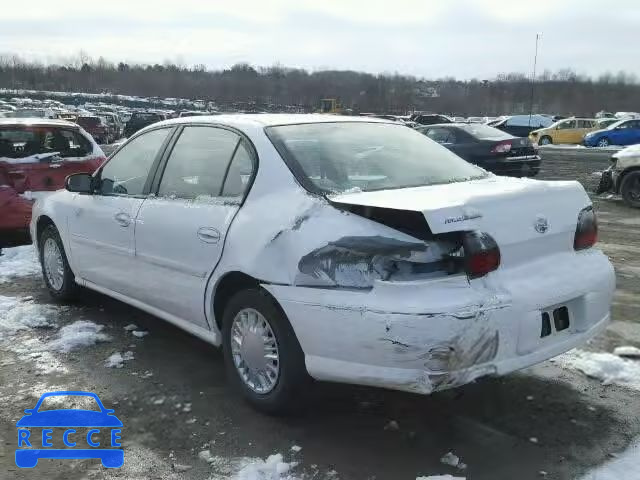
column 180, row 233
column 102, row 224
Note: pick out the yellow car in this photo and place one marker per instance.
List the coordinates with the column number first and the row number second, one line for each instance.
column 570, row 130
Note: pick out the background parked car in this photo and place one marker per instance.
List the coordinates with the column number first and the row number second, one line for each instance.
column 96, row 126
column 571, row 130
column 487, row 147
column 605, row 122
column 429, row 119
column 623, row 176
column 140, row 120
column 522, row 125
column 624, row 132
column 114, row 125
column 36, row 155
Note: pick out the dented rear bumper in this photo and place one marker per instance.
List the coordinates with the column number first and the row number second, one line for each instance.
column 429, row 335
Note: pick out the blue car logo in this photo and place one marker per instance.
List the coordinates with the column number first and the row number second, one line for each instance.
column 33, row 447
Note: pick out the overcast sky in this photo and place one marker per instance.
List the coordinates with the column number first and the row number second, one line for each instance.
column 430, row 38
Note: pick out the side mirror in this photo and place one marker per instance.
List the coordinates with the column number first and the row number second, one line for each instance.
column 79, row 183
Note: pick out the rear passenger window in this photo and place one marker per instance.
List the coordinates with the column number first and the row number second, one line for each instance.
column 567, row 124
column 198, row 163
column 441, row 135
column 239, row 173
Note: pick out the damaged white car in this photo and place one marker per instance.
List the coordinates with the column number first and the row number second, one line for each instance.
column 335, row 248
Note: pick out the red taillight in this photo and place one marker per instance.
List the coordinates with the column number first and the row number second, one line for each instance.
column 502, row 147
column 586, row 230
column 481, row 254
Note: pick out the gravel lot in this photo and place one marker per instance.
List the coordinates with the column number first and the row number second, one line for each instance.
column 545, row 422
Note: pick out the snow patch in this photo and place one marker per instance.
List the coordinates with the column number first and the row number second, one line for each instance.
column 625, row 467
column 627, row 351
column 130, row 327
column 81, row 333
column 273, row 468
column 18, row 262
column 246, row 468
column 453, row 460
column 21, row 314
column 139, row 333
column 440, row 477
column 117, row 359
column 606, row 367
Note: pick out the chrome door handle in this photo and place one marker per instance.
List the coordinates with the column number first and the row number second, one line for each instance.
column 208, row 235
column 123, row 219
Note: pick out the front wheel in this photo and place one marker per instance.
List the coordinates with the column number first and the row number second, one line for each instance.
column 630, row 189
column 603, row 142
column 262, row 355
column 56, row 271
column 546, row 140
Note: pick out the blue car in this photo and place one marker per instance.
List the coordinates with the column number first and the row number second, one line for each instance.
column 624, row 132
column 28, row 456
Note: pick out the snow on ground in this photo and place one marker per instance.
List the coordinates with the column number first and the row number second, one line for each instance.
column 117, row 359
column 246, row 468
column 453, row 460
column 625, row 467
column 22, row 313
column 606, row 367
column 81, row 333
column 440, row 477
column 627, row 351
column 18, row 262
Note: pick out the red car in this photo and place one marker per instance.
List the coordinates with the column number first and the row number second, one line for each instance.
column 36, row 155
column 96, row 127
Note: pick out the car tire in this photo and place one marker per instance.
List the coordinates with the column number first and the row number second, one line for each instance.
column 57, row 274
column 288, row 389
column 546, row 140
column 630, row 189
column 603, row 142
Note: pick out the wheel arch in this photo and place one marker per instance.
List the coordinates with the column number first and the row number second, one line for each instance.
column 229, row 284
column 43, row 222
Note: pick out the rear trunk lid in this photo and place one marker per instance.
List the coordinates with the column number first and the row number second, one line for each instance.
column 527, row 218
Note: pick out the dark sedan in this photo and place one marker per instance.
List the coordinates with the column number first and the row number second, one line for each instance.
column 487, row 147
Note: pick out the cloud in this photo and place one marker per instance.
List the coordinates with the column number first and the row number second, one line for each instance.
column 435, row 38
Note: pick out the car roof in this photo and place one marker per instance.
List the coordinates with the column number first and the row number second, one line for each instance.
column 270, row 119
column 36, row 122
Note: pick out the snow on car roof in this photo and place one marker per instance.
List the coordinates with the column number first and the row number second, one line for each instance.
column 45, row 122
column 271, row 119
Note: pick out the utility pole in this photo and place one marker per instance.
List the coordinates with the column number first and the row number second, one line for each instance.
column 533, row 78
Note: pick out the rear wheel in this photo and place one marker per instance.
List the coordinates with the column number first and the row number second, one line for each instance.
column 56, row 271
column 630, row 189
column 546, row 140
column 603, row 142
column 262, row 355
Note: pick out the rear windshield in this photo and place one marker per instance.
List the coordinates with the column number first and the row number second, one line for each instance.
column 22, row 142
column 346, row 156
column 89, row 121
column 484, row 132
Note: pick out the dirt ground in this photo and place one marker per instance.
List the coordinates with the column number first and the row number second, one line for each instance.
column 344, row 431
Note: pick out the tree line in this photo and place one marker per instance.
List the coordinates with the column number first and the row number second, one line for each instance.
column 244, row 86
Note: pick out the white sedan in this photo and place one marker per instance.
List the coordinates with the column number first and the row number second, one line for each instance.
column 335, row 248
